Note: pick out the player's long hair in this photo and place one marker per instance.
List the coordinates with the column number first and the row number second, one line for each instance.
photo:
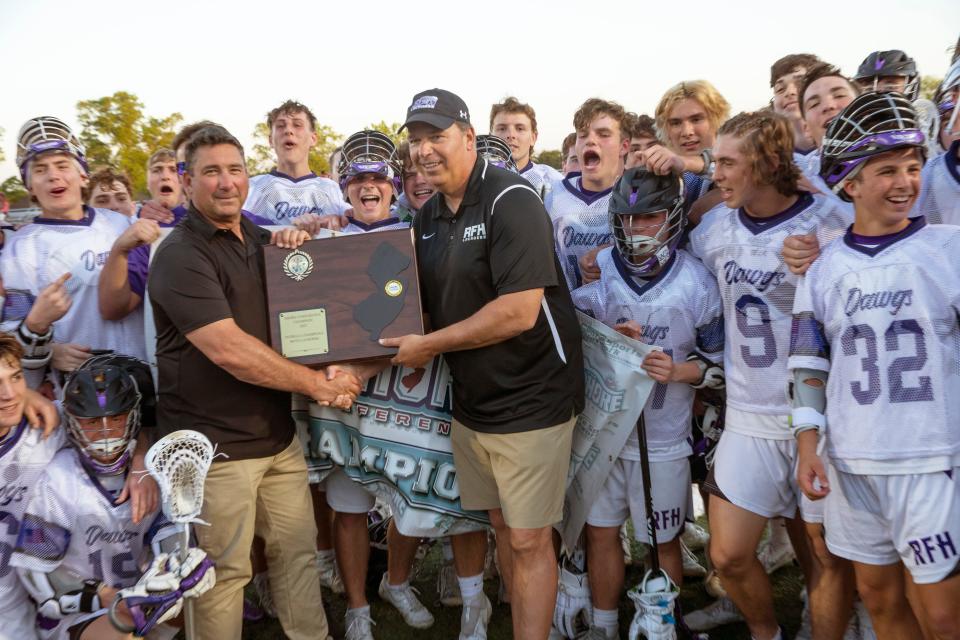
column 716, row 106
column 11, row 352
column 766, row 138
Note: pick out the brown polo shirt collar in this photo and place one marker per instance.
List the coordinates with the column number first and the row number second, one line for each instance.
column 199, row 224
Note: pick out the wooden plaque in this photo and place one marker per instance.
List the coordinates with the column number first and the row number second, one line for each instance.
column 331, row 299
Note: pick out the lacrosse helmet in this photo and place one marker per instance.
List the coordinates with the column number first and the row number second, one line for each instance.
column 370, row 152
column 100, row 389
column 880, row 64
column 872, row 124
column 639, row 191
column 44, row 134
column 946, row 98
column 496, row 151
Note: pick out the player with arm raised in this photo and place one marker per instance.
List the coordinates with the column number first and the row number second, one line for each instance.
column 874, row 366
column 752, row 478
column 652, row 292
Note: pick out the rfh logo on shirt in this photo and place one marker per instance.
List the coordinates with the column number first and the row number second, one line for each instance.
column 475, row 232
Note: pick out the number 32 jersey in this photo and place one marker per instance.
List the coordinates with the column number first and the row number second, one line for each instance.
column 882, row 319
column 757, row 288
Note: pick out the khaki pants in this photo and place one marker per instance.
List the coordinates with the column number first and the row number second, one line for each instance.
column 269, row 497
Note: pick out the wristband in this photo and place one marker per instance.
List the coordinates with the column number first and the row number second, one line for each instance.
column 806, row 418
column 708, row 162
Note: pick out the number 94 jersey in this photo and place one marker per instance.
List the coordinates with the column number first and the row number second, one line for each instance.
column 72, row 523
column 757, row 288
column 882, row 319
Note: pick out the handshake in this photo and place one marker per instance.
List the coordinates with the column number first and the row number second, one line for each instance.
column 337, row 386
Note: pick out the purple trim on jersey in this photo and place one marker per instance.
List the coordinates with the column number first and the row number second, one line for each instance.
column 950, row 159
column 631, row 280
column 13, row 438
column 860, row 243
column 89, row 213
column 758, row 225
column 179, row 212
column 138, row 268
column 41, row 539
column 801, row 152
column 277, row 174
column 526, row 168
column 374, row 225
column 255, row 219
column 807, row 337
column 92, row 474
column 587, row 196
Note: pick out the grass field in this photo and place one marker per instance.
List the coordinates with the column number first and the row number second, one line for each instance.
column 787, row 584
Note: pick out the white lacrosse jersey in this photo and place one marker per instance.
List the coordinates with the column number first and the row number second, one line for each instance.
column 680, row 311
column 939, row 199
column 882, row 319
column 280, row 198
column 24, row 454
column 388, row 224
column 541, row 177
column 44, row 250
column 811, row 170
column 580, row 223
column 72, row 525
column 757, row 289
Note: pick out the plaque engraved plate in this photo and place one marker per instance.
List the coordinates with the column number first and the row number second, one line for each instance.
column 303, row 333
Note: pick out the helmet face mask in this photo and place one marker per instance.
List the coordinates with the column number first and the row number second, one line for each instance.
column 946, row 98
column 496, row 151
column 43, row 135
column 370, row 152
column 879, row 69
column 647, row 219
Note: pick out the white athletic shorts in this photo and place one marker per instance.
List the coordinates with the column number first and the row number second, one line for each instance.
column 622, row 496
column 882, row 519
column 19, row 622
column 760, row 475
column 347, row 496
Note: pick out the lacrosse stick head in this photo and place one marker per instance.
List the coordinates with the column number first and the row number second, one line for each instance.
column 179, row 463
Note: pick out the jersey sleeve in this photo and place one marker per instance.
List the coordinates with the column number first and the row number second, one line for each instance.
column 709, row 320
column 184, row 283
column 586, row 299
column 138, row 262
column 44, row 535
column 809, row 348
column 521, row 242
column 21, row 285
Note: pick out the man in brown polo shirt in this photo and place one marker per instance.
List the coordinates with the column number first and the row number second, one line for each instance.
column 219, row 377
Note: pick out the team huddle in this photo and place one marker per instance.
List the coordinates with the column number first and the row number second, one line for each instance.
column 796, row 270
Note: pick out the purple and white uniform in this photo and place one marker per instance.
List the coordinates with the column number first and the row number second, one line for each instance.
column 23, row 456
column 939, row 199
column 580, row 223
column 540, row 176
column 281, row 198
column 880, row 314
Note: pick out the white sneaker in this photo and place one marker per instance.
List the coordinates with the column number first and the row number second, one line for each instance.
column 719, row 613
column 654, row 599
column 691, row 566
column 447, row 586
column 863, row 621
column 358, row 626
column 694, row 536
column 329, row 574
column 475, row 617
column 261, row 584
column 774, row 557
column 713, row 585
column 405, row 601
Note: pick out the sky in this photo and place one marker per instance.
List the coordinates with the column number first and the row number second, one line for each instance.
column 355, row 63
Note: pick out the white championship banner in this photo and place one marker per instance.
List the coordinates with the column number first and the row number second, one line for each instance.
column 616, row 392
column 396, row 442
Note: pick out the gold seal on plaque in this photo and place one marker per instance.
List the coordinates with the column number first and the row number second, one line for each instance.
column 393, row 288
column 297, row 265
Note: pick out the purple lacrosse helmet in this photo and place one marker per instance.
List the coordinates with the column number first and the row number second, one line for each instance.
column 370, row 151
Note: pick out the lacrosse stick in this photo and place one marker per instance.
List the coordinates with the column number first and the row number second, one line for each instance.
column 179, row 463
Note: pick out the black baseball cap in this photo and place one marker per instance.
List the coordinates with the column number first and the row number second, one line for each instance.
column 438, row 108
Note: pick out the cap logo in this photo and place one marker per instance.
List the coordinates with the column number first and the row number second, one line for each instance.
column 464, row 115
column 879, row 64
column 424, row 102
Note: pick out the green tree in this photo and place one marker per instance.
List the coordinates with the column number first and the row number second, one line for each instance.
column 116, row 132
column 928, row 86
column 551, row 157
column 389, row 130
column 13, row 188
column 261, row 158
column 1, row 145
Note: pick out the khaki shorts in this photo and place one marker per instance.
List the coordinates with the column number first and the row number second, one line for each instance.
column 524, row 474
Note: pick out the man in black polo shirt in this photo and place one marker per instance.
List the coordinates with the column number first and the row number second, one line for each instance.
column 502, row 316
column 218, row 376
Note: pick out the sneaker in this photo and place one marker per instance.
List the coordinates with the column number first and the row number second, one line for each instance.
column 358, row 625
column 251, row 612
column 329, row 574
column 261, row 584
column 694, row 536
column 691, row 566
column 405, row 601
column 719, row 613
column 475, row 617
column 774, row 557
column 864, row 622
column 714, row 586
column 654, row 600
column 447, row 586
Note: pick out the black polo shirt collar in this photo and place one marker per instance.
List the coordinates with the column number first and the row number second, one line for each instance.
column 471, row 196
column 199, row 224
